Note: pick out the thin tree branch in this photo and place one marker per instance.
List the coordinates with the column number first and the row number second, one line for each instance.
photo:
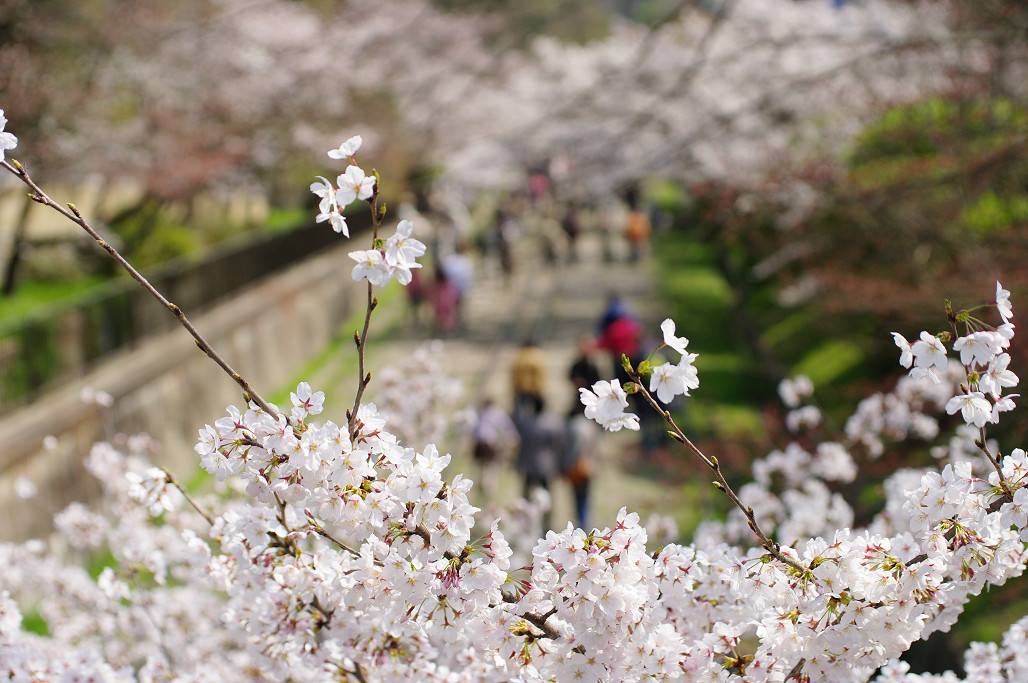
column 189, row 499
column 721, row 483
column 73, row 214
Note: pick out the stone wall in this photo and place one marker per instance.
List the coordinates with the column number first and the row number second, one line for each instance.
column 167, row 387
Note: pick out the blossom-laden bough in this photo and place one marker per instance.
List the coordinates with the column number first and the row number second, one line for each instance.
column 336, row 552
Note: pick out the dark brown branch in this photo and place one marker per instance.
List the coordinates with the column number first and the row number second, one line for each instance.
column 537, row 620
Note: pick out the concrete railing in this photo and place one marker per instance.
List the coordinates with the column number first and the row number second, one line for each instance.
column 167, row 387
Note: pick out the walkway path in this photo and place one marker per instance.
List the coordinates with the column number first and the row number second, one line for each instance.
column 557, row 304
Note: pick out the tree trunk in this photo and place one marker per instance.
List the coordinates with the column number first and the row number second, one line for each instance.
column 17, row 245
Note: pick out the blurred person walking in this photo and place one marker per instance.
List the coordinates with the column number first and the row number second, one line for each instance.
column 544, row 442
column 445, row 303
column 460, row 270
column 637, row 231
column 495, row 436
column 572, row 229
column 620, row 333
column 528, row 375
column 580, row 457
column 579, row 462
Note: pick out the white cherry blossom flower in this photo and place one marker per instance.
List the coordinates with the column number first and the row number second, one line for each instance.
column 679, row 344
column 354, row 185
column 997, row 376
column 906, row 357
column 307, row 401
column 7, row 140
column 606, row 404
column 978, row 347
column 1002, row 405
column 327, row 193
column 403, row 249
column 336, row 220
column 668, row 381
column 347, row 149
column 1002, row 297
column 973, row 406
column 929, row 358
column 793, row 390
column 372, row 266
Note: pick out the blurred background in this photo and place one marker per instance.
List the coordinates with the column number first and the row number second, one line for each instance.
column 815, row 174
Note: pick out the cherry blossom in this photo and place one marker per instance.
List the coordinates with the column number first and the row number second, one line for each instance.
column 1002, row 299
column 7, row 140
column 997, row 377
column 605, row 402
column 347, row 149
column 679, row 344
column 353, row 185
column 328, row 552
column 402, row 249
column 372, row 266
column 929, row 357
column 793, row 390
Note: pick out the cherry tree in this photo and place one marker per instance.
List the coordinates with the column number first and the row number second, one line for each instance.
column 337, row 552
column 724, row 89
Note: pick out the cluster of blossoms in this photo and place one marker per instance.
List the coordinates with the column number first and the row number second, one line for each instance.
column 335, row 552
column 607, row 401
column 982, row 353
column 397, row 256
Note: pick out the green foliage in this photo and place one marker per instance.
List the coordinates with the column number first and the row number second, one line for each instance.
column 33, row 622
column 789, row 328
column 666, row 195
column 649, row 12
column 939, row 126
column 993, row 213
column 731, row 421
column 40, row 360
column 573, row 21
column 165, row 242
column 100, row 561
column 930, row 200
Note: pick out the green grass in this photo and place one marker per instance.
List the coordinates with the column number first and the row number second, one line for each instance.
column 701, row 302
column 323, row 367
column 31, row 296
column 285, row 220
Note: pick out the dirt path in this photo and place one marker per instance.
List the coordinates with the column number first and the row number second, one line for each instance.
column 557, row 304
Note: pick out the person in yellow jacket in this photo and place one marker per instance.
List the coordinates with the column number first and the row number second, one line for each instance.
column 528, row 375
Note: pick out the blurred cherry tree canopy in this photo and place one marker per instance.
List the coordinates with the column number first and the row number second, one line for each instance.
column 205, row 92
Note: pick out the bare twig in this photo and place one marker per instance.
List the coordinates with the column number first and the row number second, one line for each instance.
column 320, row 530
column 720, row 483
column 73, row 214
column 189, row 499
column 361, row 338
